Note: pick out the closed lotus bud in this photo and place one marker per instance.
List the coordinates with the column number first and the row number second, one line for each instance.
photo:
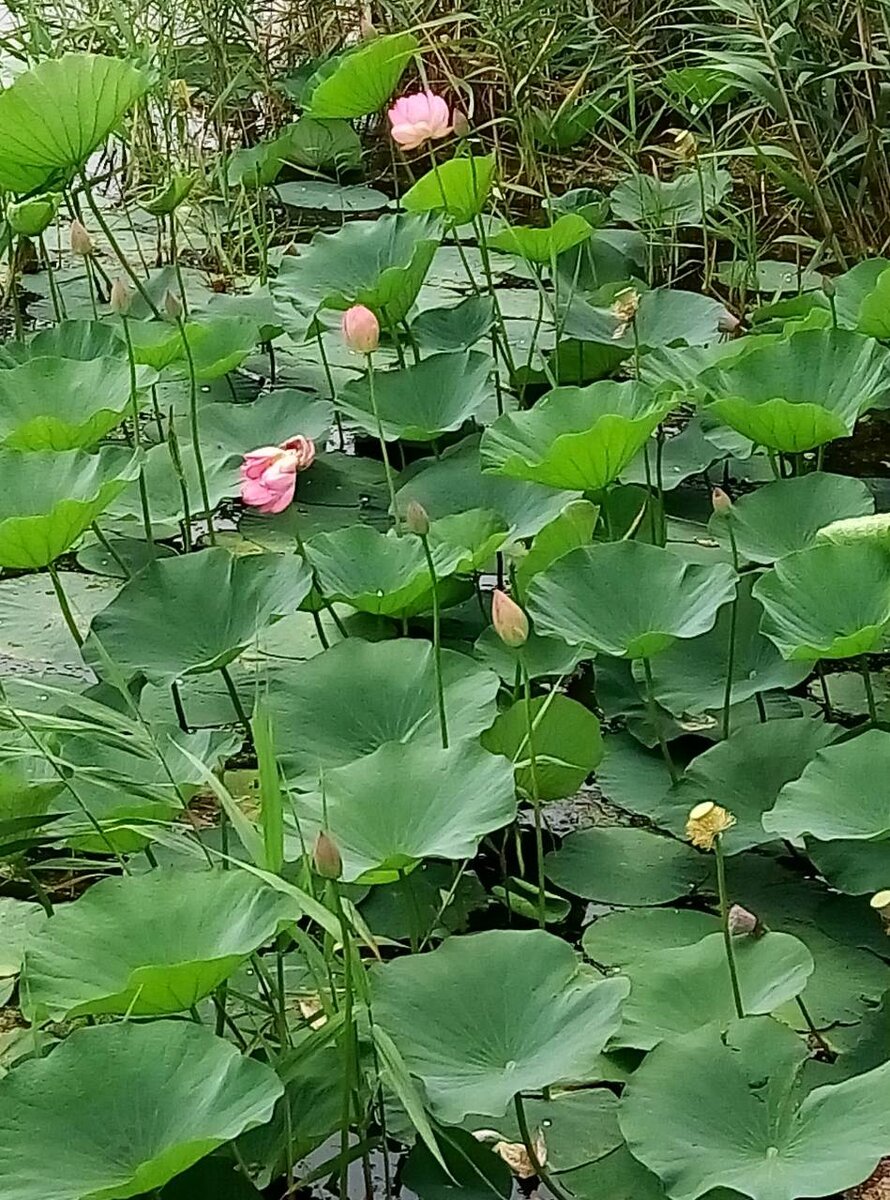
column 416, row 519
column 81, row 242
column 460, row 123
column 173, row 306
column 326, row 857
column 880, row 902
column 510, row 622
column 720, row 502
column 121, row 297
column 828, row 288
column 360, row 329
column 741, row 921
column 366, row 28
column 705, row 823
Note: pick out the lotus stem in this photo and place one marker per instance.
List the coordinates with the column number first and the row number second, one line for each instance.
column 372, row 393
column 236, row 702
column 527, row 1141
column 869, row 689
column 137, row 436
column 110, row 551
column 195, row 430
column 733, row 627
column 115, row 246
column 724, row 922
column 655, row 718
column 437, row 641
column 64, row 606
column 536, row 794
column 179, row 708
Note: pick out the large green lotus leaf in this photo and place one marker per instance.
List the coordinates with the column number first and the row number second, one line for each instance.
column 320, row 144
column 714, row 1109
column 620, row 1177
column 746, row 772
column 19, row 923
column 55, row 115
column 566, row 739
column 334, row 197
column 148, row 945
column 690, row 676
column 579, row 438
column 458, row 189
column 228, row 430
column 422, row 401
column 484, row 1017
column 541, row 656
column 842, row 793
column 665, row 317
column 787, row 514
column 474, row 535
column 196, row 613
column 412, row 906
column 81, row 340
column 827, row 602
column 377, row 572
column 684, row 454
column 874, row 528
column 49, row 498
column 617, row 865
column 456, row 483
column 381, row 264
column 851, row 865
column 117, row 1110
column 404, row 803
column 218, row 345
column 628, row 599
column 795, row 394
column 455, row 327
column 543, row 245
column 165, row 499
column 572, row 528
column 661, row 204
column 620, row 938
column 360, row 81
column 678, row 990
column 66, row 404
column 348, row 701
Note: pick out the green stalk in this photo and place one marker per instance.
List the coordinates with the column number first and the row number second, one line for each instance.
column 525, row 1133
column 236, row 702
column 437, row 641
column 733, row 624
column 64, row 606
column 115, row 246
column 110, row 550
column 137, row 436
column 195, row 431
column 869, row 690
column 655, row 718
column 350, row 1048
column 724, row 922
column 536, row 794
column 372, row 392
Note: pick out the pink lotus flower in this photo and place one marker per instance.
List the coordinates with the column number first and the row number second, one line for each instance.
column 269, row 474
column 418, row 118
column 360, row 329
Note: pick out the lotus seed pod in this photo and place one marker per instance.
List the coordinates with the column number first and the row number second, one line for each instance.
column 705, row 823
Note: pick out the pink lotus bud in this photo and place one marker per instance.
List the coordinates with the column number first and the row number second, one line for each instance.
column 361, row 329
column 326, row 857
column 121, row 297
column 80, row 240
column 269, row 474
column 417, row 119
column 510, row 622
column 720, row 502
column 741, row 921
column 173, row 306
column 416, row 519
column 460, row 123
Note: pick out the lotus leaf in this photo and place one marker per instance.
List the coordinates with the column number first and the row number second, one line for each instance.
column 117, row 1110
column 628, row 599
column 831, row 601
column 361, row 80
column 184, row 616
column 486, row 1016
column 575, row 437
column 48, row 499
column 458, row 189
